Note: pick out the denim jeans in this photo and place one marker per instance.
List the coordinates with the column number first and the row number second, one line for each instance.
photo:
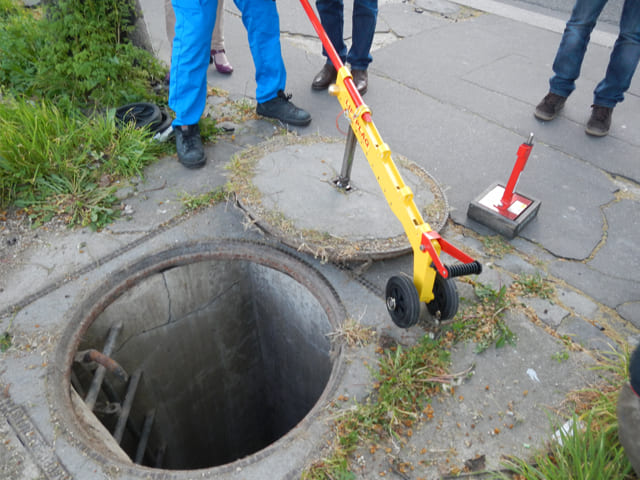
column 365, row 14
column 624, row 56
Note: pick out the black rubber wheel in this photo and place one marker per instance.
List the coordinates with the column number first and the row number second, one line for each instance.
column 445, row 302
column 403, row 302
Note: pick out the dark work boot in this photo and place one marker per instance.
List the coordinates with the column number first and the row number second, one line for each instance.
column 549, row 106
column 282, row 109
column 189, row 146
column 600, row 121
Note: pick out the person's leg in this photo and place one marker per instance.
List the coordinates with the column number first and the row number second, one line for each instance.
column 365, row 14
column 624, row 58
column 570, row 54
column 170, row 20
column 260, row 18
column 188, row 83
column 217, row 38
column 218, row 52
column 622, row 65
column 331, row 14
column 190, row 59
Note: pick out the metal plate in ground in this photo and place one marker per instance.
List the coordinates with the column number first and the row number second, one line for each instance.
column 286, row 188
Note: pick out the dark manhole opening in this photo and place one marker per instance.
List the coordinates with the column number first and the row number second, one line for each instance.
column 228, row 349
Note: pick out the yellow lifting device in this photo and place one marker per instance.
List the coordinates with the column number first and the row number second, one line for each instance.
column 432, row 280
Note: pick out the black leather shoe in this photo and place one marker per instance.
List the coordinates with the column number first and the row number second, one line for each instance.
column 361, row 79
column 282, row 109
column 325, row 77
column 189, row 146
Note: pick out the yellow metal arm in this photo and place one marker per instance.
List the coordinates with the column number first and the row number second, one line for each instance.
column 399, row 196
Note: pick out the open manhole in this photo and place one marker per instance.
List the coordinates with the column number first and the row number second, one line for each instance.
column 212, row 357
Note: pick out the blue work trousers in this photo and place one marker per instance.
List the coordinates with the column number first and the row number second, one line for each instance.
column 624, row 56
column 195, row 20
column 363, row 27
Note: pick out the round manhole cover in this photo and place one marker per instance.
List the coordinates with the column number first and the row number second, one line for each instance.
column 286, row 187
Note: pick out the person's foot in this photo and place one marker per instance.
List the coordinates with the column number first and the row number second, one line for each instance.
column 550, row 106
column 325, row 77
column 600, row 121
column 189, row 146
column 361, row 80
column 219, row 59
column 282, row 109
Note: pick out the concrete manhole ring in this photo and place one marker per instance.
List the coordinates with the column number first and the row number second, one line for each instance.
column 285, row 187
column 229, row 344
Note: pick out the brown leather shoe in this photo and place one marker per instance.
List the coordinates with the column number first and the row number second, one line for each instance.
column 325, row 77
column 361, row 79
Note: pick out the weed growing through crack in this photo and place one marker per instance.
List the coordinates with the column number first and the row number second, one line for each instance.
column 534, row 285
column 561, row 356
column 353, row 333
column 496, row 246
column 6, row 337
column 482, row 322
column 194, row 202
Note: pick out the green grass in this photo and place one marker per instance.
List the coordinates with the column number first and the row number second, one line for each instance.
column 76, row 53
column 195, row 202
column 496, row 246
column 534, row 285
column 482, row 321
column 405, row 380
column 64, row 68
column 56, row 164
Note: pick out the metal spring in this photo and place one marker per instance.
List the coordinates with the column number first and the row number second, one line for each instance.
column 461, row 269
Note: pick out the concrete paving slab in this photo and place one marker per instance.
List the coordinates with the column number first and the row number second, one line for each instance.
column 406, row 20
column 619, row 256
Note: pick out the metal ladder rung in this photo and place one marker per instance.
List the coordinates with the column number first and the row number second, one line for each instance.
column 144, row 437
column 126, row 405
column 98, row 377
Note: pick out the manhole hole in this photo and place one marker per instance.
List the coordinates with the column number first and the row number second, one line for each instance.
column 225, row 346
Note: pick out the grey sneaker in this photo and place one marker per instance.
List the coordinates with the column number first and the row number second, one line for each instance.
column 600, row 121
column 550, row 106
column 282, row 109
column 189, row 146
